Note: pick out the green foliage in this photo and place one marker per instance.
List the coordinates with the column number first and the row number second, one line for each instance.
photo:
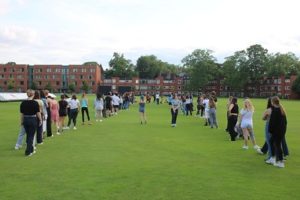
column 234, row 71
column 33, row 85
column 11, row 84
column 296, row 85
column 72, row 87
column 148, row 67
column 282, row 64
column 85, row 87
column 201, row 67
column 91, row 63
column 120, row 67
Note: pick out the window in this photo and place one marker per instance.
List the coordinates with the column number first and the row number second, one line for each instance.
column 5, row 82
column 74, row 70
column 21, row 82
column 22, row 70
column 83, row 70
column 57, row 82
column 40, row 83
column 287, row 80
column 90, row 77
column 48, row 69
column 81, row 77
column 41, row 70
column 4, row 69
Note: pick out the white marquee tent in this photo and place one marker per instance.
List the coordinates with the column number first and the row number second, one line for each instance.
column 10, row 96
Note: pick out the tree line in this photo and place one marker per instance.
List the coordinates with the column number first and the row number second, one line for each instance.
column 243, row 68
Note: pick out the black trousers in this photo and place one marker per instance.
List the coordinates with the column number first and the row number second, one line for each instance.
column 174, row 116
column 276, row 141
column 49, row 129
column 30, row 125
column 73, row 116
column 39, row 132
column 85, row 109
column 232, row 120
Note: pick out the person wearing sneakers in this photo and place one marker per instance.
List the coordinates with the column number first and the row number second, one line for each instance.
column 246, row 123
column 99, row 105
column 174, row 110
column 142, row 105
column 74, row 109
column 63, row 104
column 84, row 108
column 277, row 129
column 30, row 112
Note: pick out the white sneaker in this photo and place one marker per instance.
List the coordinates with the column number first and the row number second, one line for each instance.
column 245, row 147
column 259, row 151
column 270, row 161
column 57, row 133
column 279, row 164
column 256, row 147
column 17, row 147
column 74, row 128
column 66, row 127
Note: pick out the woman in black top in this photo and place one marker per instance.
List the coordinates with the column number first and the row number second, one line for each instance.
column 30, row 111
column 233, row 112
column 277, row 129
column 63, row 104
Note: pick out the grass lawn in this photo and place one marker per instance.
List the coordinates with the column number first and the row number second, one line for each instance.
column 121, row 159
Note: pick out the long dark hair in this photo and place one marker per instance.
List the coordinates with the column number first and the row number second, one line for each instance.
column 276, row 101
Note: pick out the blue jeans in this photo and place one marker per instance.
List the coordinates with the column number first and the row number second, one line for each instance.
column 213, row 117
column 21, row 136
column 30, row 125
column 268, row 139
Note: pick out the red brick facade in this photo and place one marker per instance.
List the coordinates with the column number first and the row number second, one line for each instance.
column 59, row 77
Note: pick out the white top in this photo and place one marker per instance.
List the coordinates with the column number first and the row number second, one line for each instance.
column 98, row 104
column 74, row 103
column 188, row 101
column 206, row 102
column 157, row 96
column 246, row 116
column 115, row 100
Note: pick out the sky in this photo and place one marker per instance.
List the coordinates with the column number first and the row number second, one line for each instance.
column 78, row 31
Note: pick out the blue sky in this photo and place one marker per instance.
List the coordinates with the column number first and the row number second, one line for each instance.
column 76, row 31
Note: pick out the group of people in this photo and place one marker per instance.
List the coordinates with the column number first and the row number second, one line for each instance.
column 41, row 110
column 240, row 124
column 42, row 114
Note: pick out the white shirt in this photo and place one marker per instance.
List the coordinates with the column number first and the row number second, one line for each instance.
column 74, row 103
column 115, row 100
column 206, row 102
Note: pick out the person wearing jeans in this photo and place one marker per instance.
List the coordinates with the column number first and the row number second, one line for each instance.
column 74, row 109
column 174, row 110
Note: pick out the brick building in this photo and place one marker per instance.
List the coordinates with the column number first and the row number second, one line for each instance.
column 15, row 77
column 143, row 86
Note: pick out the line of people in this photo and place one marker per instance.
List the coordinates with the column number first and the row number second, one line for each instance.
column 240, row 124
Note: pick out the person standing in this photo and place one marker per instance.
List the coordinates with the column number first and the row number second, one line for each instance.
column 85, row 108
column 63, row 104
column 246, row 124
column 212, row 113
column 142, row 106
column 30, row 112
column 174, row 110
column 233, row 112
column 55, row 114
column 157, row 98
column 277, row 129
column 74, row 109
column 49, row 121
column 115, row 103
column 39, row 132
column 99, row 105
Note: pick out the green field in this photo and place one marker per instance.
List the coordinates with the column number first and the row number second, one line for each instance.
column 121, row 159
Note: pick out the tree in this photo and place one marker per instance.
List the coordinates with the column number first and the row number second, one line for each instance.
column 33, row 85
column 256, row 64
column 282, row 64
column 11, row 84
column 296, row 85
column 85, row 87
column 121, row 67
column 71, row 87
column 201, row 67
column 234, row 71
column 148, row 67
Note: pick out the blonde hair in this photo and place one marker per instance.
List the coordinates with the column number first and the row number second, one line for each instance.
column 250, row 105
column 276, row 101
